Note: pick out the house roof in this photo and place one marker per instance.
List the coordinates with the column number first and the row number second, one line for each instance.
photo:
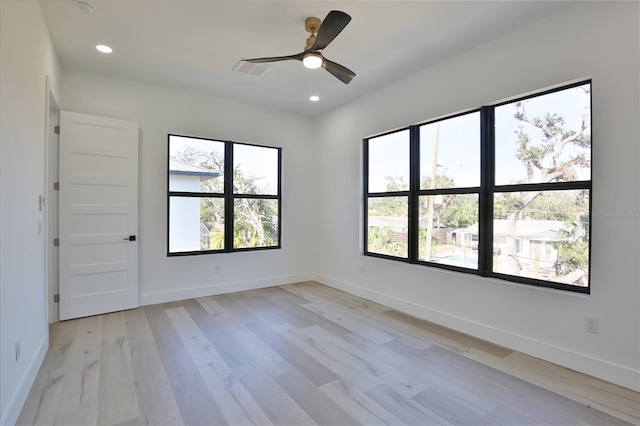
column 538, row 229
column 177, row 167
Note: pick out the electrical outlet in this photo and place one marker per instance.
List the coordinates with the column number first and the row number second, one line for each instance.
column 17, row 350
column 591, row 325
column 217, row 269
column 362, row 269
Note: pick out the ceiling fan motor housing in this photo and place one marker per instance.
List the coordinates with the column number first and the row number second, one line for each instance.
column 311, row 25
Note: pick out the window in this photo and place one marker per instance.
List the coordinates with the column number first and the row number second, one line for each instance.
column 217, row 208
column 502, row 191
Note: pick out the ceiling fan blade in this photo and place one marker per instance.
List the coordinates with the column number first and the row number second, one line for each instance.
column 343, row 74
column 330, row 28
column 275, row 59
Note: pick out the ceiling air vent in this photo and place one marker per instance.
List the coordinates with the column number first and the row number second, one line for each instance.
column 256, row 70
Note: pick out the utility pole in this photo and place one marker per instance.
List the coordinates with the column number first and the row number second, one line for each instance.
column 432, row 198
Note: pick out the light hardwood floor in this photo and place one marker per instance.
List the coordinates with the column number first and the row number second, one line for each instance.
column 296, row 355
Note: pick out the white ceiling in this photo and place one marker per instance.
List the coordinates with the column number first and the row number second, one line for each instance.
column 193, row 45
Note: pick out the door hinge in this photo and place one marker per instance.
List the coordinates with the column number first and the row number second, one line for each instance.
column 56, row 242
column 56, row 298
column 57, row 130
column 56, row 186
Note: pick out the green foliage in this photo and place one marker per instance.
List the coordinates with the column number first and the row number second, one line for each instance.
column 255, row 220
column 381, row 241
column 551, row 205
column 459, row 211
column 573, row 251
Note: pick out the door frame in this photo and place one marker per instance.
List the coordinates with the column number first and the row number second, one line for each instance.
column 52, row 145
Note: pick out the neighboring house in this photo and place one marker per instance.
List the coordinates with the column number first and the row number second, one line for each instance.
column 187, row 178
column 397, row 225
column 534, row 239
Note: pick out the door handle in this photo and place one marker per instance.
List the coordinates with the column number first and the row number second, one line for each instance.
column 130, row 238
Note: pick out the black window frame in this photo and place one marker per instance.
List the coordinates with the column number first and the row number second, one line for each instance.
column 485, row 191
column 228, row 195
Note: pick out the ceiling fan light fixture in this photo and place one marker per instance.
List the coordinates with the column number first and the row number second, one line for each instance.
column 312, row 60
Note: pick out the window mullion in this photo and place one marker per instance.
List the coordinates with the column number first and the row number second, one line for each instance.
column 414, row 187
column 228, row 198
column 487, row 170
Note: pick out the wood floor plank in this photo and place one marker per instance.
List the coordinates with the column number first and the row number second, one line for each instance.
column 403, row 383
column 350, row 322
column 213, row 307
column 532, row 400
column 453, row 340
column 237, row 310
column 238, row 345
column 156, row 402
column 343, row 298
column 197, row 405
column 258, row 306
column 45, row 392
column 621, row 402
column 237, row 406
column 407, row 410
column 284, row 315
column 47, row 404
column 448, row 408
column 81, row 368
column 359, row 406
column 306, row 365
column 274, row 401
column 217, row 332
column 314, row 318
column 346, row 367
column 322, row 409
column 117, row 401
column 373, row 319
column 193, row 307
column 279, row 294
column 191, row 336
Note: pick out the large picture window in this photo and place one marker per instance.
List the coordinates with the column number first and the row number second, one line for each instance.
column 223, row 196
column 502, row 191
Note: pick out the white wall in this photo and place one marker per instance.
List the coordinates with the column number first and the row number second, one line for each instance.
column 593, row 39
column 26, row 57
column 161, row 111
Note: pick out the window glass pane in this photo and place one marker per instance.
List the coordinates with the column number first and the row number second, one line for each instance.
column 545, row 139
column 196, row 165
column 450, row 150
column 388, row 221
column 196, row 224
column 255, row 170
column 542, row 235
column 449, row 230
column 389, row 162
column 255, row 223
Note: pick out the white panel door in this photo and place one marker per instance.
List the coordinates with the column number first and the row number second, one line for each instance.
column 98, row 215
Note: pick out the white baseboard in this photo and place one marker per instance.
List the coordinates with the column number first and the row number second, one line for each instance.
column 212, row 290
column 599, row 368
column 20, row 396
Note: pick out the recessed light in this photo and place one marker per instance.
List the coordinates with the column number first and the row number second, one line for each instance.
column 104, row 49
column 314, row 98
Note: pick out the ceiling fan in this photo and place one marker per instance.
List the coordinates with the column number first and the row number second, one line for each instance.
column 322, row 33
